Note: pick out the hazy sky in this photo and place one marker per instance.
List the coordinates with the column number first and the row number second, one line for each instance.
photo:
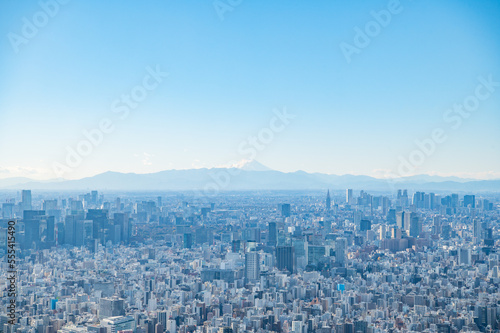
column 232, row 65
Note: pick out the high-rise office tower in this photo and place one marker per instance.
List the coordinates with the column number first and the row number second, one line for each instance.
column 391, row 216
column 252, row 266
column 71, row 229
column 31, row 233
column 123, row 220
column 478, row 230
column 94, row 197
column 349, row 196
column 470, row 200
column 400, row 220
column 26, row 200
column 273, row 234
column 162, row 318
column 432, row 199
column 50, row 229
column 419, row 199
column 100, row 221
column 187, row 241
column 60, row 234
column 88, row 229
column 341, row 250
column 285, row 258
column 328, row 200
column 285, row 210
column 314, row 254
column 32, row 219
column 409, row 216
column 454, row 200
column 415, row 226
column 80, row 233
column 437, row 225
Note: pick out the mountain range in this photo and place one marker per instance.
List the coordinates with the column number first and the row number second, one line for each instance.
column 250, row 175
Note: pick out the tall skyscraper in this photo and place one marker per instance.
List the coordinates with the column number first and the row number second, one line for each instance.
column 50, row 229
column 341, row 250
column 94, row 196
column 437, row 225
column 26, row 200
column 478, row 230
column 70, row 229
column 162, row 318
column 285, row 258
column 415, row 226
column 252, row 266
column 285, row 210
column 400, row 220
column 328, row 200
column 123, row 220
column 349, row 196
column 470, row 200
column 273, row 234
column 31, row 233
column 314, row 254
column 408, row 218
column 188, row 241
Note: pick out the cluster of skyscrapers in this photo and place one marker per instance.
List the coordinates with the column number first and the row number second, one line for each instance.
column 253, row 262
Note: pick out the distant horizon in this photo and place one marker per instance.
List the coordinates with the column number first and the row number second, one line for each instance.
column 440, row 175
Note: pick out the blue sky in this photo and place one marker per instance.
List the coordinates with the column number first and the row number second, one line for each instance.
column 226, row 76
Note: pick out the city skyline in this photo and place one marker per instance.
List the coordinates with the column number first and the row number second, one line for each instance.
column 262, row 261
column 236, row 166
column 215, row 77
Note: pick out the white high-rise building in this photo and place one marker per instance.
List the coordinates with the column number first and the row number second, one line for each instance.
column 349, row 196
column 171, row 326
column 341, row 250
column 252, row 266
